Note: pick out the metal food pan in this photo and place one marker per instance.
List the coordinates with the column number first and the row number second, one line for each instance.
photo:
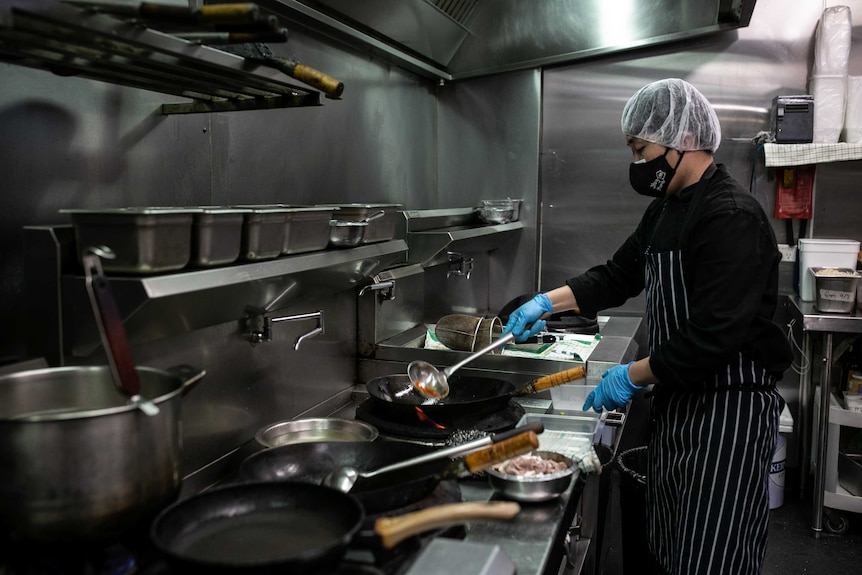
column 380, row 229
column 145, row 240
column 216, row 235
column 565, row 434
column 263, row 231
column 307, row 229
column 313, row 430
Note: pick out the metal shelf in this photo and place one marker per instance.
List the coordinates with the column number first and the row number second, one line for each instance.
column 430, row 234
column 158, row 306
column 71, row 41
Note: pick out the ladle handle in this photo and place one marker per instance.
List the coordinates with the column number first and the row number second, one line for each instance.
column 499, row 452
column 110, row 326
column 112, row 332
column 555, row 379
column 493, row 345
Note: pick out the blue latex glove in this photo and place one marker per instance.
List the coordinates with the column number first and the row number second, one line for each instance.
column 615, row 390
column 524, row 322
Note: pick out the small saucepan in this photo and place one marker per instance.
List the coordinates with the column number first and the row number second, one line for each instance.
column 348, row 233
column 285, row 527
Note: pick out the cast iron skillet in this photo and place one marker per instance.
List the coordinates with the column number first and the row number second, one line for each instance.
column 285, row 528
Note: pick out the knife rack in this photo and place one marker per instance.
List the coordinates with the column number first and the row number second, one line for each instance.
column 71, row 41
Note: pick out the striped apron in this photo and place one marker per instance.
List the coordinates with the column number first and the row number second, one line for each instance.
column 709, row 450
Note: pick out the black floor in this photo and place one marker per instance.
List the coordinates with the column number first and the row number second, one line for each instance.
column 793, row 547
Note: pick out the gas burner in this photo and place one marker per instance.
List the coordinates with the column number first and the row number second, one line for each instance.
column 49, row 559
column 423, row 431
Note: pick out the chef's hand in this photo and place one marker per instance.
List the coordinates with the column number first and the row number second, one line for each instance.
column 524, row 322
column 615, row 390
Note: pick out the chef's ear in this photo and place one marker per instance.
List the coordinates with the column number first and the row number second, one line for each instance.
column 687, row 142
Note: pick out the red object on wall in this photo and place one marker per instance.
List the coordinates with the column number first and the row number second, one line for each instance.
column 794, row 192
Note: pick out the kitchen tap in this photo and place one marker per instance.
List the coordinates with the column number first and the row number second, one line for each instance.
column 264, row 333
column 386, row 289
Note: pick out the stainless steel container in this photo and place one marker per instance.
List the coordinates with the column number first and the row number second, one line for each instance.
column 307, row 229
column 379, row 229
column 316, row 429
column 79, row 462
column 834, row 289
column 534, row 487
column 263, row 232
column 145, row 240
column 216, row 235
column 343, row 234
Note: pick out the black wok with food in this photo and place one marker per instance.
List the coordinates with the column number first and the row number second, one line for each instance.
column 286, row 527
column 469, row 396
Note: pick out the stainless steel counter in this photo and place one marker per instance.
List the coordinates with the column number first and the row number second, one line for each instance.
column 825, row 325
column 533, row 540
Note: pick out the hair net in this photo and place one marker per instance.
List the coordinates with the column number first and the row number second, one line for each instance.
column 674, row 114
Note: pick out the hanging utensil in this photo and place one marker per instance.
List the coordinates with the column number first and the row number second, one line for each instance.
column 111, row 330
column 262, row 54
column 433, row 383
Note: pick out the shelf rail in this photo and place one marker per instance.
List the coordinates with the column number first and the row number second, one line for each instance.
column 72, row 41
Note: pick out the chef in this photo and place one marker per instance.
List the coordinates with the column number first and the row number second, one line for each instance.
column 706, row 256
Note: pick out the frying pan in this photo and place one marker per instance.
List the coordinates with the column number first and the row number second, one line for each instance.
column 311, row 462
column 470, row 397
column 287, row 527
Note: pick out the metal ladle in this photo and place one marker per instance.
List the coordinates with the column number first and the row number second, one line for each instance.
column 111, row 330
column 433, row 383
column 344, row 477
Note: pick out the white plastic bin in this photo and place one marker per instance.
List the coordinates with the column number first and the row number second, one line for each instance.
column 779, row 460
column 816, row 252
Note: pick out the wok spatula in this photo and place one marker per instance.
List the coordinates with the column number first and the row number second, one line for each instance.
column 262, row 54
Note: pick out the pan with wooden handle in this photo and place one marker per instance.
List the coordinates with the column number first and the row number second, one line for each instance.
column 262, row 54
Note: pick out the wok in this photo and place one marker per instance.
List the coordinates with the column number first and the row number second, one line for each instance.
column 311, row 462
column 287, row 527
column 470, row 397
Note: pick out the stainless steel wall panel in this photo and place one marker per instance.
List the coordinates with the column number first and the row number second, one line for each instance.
column 488, row 148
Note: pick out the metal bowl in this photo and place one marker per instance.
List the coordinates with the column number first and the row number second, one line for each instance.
column 536, row 487
column 497, row 214
column 346, row 234
column 312, row 430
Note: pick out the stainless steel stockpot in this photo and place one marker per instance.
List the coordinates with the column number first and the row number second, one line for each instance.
column 79, row 462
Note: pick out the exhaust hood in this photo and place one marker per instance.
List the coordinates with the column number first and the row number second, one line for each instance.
column 455, row 39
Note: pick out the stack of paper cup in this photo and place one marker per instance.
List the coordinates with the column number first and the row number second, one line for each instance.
column 828, row 82
column 829, row 98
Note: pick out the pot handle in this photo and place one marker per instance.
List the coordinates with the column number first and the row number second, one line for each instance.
column 393, row 530
column 189, row 375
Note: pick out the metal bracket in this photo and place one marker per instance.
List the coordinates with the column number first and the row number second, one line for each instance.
column 459, row 265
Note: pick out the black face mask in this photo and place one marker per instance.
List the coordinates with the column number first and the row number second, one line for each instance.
column 652, row 178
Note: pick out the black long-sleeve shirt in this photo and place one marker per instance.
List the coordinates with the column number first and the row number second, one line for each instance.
column 730, row 264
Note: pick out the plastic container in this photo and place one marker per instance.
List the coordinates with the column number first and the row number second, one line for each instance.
column 779, row 460
column 815, row 252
